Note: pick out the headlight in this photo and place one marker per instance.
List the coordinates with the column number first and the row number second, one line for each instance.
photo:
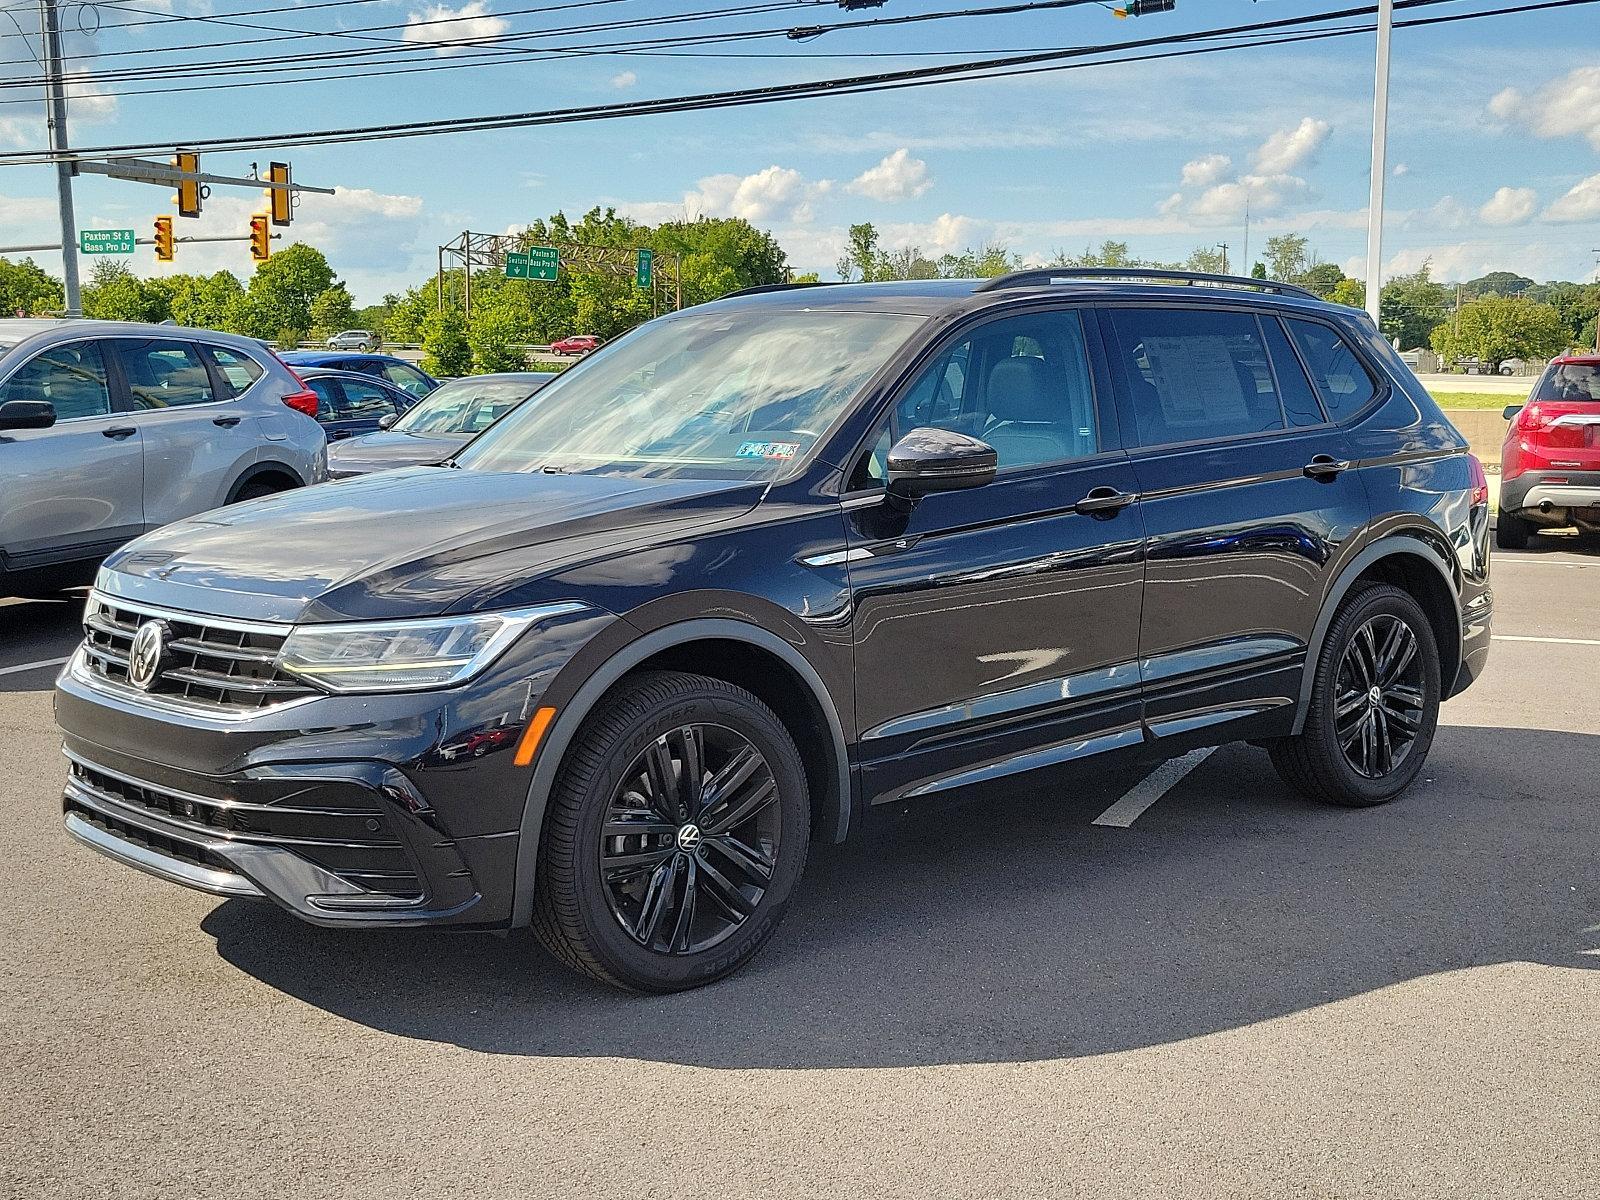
column 404, row 656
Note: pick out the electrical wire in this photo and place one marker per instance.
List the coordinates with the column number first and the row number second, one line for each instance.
column 992, row 68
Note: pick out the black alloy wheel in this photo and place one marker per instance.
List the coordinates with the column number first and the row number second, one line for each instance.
column 691, row 839
column 1379, row 706
column 1374, row 703
column 674, row 835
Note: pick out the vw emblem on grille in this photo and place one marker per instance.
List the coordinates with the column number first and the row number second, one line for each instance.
column 145, row 654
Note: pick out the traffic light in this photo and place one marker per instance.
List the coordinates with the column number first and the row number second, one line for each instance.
column 163, row 238
column 281, row 199
column 188, row 189
column 260, row 237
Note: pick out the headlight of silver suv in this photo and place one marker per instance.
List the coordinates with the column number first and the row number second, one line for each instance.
column 405, row 656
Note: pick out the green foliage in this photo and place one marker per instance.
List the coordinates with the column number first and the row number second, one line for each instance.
column 1322, row 278
column 1211, row 259
column 332, row 311
column 1349, row 291
column 866, row 261
column 281, row 292
column 114, row 293
column 1498, row 283
column 205, row 302
column 1288, row 257
column 446, row 351
column 495, row 335
column 1494, row 328
column 1259, row 271
column 27, row 290
column 807, row 277
column 1110, row 254
column 1410, row 306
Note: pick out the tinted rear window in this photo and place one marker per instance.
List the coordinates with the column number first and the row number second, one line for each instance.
column 1341, row 380
column 1569, row 381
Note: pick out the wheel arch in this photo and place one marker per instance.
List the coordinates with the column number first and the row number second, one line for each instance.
column 1410, row 561
column 745, row 655
column 261, row 471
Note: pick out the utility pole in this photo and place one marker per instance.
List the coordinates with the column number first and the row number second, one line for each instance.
column 1223, row 246
column 1596, row 254
column 55, row 102
column 1380, row 133
column 1247, row 265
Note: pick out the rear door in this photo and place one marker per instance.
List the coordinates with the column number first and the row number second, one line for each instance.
column 196, row 441
column 1246, row 495
column 364, row 406
column 75, row 490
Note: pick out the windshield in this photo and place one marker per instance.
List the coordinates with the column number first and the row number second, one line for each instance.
column 465, row 406
column 1570, row 381
column 733, row 394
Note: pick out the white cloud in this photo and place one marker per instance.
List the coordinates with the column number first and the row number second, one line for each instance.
column 772, row 194
column 1400, row 169
column 1509, row 206
column 945, row 234
column 897, row 177
column 1563, row 107
column 1468, row 260
column 1289, row 148
column 445, row 27
column 1582, row 203
column 1203, row 172
column 624, row 79
column 1225, row 203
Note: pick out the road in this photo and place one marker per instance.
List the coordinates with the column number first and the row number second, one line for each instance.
column 1238, row 993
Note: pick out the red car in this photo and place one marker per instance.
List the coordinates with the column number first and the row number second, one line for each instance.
column 578, row 343
column 1550, row 464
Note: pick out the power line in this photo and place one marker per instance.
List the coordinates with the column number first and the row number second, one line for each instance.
column 1002, row 67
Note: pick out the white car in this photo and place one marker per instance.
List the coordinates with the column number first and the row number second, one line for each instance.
column 354, row 339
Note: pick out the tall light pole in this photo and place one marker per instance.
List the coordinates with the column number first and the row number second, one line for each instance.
column 1380, row 132
column 55, row 109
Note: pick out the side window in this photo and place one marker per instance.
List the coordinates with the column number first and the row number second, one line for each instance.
column 1021, row 384
column 240, row 370
column 328, row 399
column 1337, row 372
column 404, row 377
column 71, row 377
column 1299, row 400
column 163, row 374
column 1195, row 373
column 364, row 402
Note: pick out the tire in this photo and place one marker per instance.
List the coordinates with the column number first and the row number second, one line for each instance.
column 612, row 906
column 1315, row 762
column 1510, row 531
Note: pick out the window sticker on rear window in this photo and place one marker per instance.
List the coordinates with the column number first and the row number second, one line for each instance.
column 768, row 450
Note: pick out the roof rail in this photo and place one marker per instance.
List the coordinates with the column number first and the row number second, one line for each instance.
column 771, row 287
column 1047, row 275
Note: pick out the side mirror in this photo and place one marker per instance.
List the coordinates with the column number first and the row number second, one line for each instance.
column 939, row 460
column 387, row 420
column 1511, row 410
column 27, row 414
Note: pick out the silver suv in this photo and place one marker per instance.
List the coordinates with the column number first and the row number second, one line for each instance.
column 111, row 428
column 353, row 339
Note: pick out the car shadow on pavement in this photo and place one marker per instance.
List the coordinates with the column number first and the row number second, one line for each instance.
column 1012, row 929
column 37, row 631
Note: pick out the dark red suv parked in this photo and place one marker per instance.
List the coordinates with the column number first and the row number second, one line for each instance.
column 1550, row 465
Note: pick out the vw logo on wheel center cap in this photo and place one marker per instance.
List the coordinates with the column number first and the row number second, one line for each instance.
column 1375, row 694
column 145, row 654
column 688, row 837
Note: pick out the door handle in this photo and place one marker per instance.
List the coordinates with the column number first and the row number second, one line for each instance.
column 1104, row 500
column 226, row 422
column 120, row 431
column 338, row 435
column 1325, row 467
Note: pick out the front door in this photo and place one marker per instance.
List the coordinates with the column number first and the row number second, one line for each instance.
column 996, row 629
column 73, row 491
column 1247, row 494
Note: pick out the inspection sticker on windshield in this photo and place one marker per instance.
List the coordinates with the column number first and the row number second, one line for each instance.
column 768, row 449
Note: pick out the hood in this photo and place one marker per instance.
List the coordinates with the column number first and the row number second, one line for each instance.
column 390, row 448
column 406, row 543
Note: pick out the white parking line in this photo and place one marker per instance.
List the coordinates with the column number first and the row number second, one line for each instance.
column 1151, row 788
column 1520, row 637
column 33, row 666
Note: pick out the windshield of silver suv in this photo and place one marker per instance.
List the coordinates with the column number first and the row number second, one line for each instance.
column 738, row 394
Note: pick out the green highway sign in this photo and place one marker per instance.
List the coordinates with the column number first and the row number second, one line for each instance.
column 537, row 262
column 642, row 268
column 105, row 241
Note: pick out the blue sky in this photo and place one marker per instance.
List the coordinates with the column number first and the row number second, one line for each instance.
column 1494, row 138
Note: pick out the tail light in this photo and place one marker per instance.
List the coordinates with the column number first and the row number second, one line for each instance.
column 1480, row 482
column 303, row 401
column 1531, row 417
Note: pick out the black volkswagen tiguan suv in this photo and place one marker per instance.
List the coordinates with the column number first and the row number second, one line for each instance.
column 764, row 564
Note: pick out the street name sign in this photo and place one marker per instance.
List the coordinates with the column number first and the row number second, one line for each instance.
column 537, row 262
column 105, row 241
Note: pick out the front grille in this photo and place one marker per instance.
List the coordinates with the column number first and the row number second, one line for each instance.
column 210, row 663
column 340, row 827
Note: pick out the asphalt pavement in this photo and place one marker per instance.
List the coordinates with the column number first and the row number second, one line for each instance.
column 1239, row 994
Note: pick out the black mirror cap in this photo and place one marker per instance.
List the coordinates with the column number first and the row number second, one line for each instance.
column 27, row 414
column 1511, row 410
column 939, row 460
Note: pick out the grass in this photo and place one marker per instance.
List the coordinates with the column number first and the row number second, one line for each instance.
column 1491, row 400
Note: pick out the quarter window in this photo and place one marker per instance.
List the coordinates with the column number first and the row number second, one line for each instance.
column 364, row 402
column 1195, row 374
column 1340, row 378
column 239, row 370
column 163, row 374
column 70, row 377
column 406, row 378
column 1299, row 400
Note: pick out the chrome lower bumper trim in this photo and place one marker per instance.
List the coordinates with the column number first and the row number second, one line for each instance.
column 174, row 870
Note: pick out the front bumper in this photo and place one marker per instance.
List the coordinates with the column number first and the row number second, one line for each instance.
column 399, row 809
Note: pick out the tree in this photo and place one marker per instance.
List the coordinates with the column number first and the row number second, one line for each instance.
column 114, row 293
column 1322, row 278
column 1411, row 305
column 1498, row 283
column 1213, row 260
column 989, row 261
column 1350, row 292
column 1287, row 257
column 446, row 350
column 1494, row 328
column 1110, row 254
column 860, row 259
column 281, row 291
column 205, row 302
column 1259, row 271
column 332, row 311
column 26, row 290
column 494, row 333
